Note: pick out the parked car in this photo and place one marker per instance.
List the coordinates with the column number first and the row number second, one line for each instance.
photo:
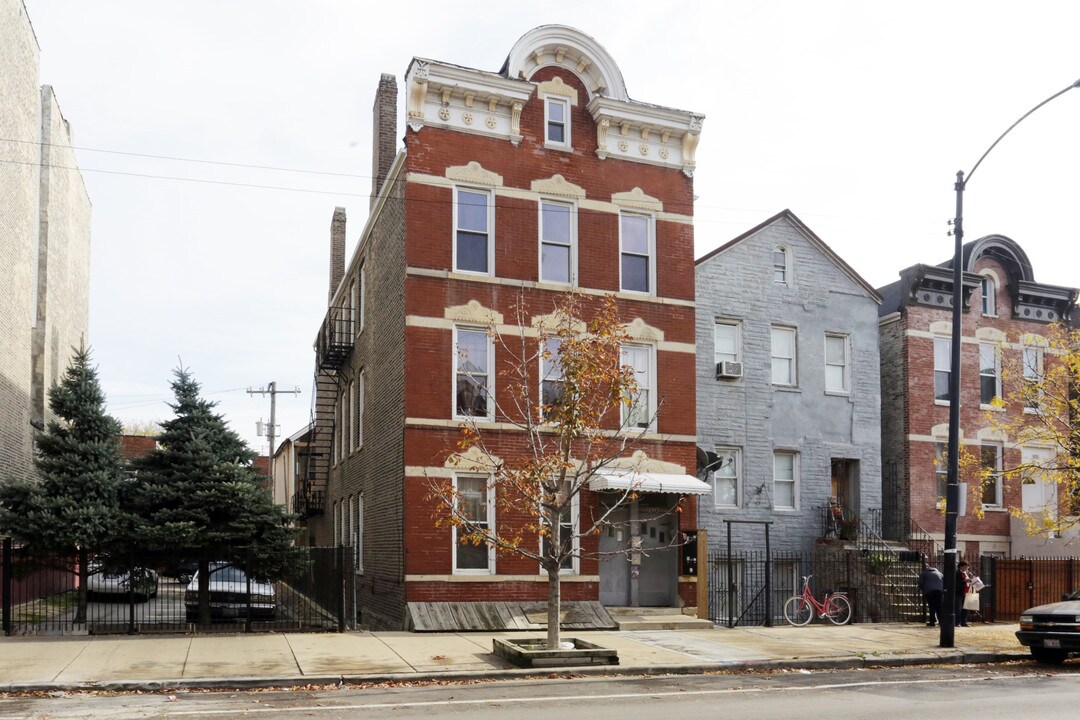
column 119, row 583
column 229, row 595
column 1052, row 632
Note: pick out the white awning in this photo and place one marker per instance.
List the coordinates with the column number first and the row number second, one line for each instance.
column 648, row 482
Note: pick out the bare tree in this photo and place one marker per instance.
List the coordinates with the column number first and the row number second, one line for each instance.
column 571, row 394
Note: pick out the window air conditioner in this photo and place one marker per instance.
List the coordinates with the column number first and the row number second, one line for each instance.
column 728, row 369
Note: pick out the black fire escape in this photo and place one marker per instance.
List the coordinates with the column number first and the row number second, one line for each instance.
column 333, row 346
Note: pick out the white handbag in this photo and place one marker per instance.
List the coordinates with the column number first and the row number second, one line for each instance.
column 971, row 601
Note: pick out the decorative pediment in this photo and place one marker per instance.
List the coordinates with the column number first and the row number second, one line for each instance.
column 553, row 321
column 642, row 463
column 557, row 185
column 638, row 200
column 474, row 313
column 640, row 330
column 475, row 174
column 941, row 327
column 473, row 460
column 556, row 86
column 941, row 431
column 991, row 434
column 991, row 334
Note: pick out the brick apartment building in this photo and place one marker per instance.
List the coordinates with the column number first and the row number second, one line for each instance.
column 538, row 178
column 44, row 242
column 1006, row 313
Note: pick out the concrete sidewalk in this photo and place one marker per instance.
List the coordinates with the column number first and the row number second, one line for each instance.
column 156, row 662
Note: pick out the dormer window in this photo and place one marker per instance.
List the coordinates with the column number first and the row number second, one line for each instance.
column 780, row 266
column 989, row 296
column 556, row 122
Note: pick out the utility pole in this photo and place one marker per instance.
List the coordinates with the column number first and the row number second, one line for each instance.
column 272, row 390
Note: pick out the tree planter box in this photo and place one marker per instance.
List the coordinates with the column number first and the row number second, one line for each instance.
column 533, row 653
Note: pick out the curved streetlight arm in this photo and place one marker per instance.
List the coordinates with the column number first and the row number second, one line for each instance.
column 1022, row 118
column 952, row 487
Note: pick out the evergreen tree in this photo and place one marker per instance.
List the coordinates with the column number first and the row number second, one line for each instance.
column 73, row 507
column 198, row 496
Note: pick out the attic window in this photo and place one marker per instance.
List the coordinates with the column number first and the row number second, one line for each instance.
column 780, row 266
column 989, row 292
column 556, row 122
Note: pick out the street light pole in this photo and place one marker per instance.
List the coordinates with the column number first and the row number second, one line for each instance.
column 952, row 489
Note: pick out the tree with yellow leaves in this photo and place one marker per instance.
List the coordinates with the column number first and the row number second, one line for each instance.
column 1037, row 415
column 569, row 408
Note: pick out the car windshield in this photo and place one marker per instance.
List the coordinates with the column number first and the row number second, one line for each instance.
column 228, row 574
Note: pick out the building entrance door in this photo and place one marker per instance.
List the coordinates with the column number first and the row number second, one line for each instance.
column 615, row 559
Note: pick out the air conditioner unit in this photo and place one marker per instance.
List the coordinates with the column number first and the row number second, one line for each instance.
column 728, row 369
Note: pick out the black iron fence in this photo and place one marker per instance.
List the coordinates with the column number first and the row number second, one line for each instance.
column 43, row 595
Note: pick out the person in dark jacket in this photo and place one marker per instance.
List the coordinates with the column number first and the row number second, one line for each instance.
column 962, row 586
column 932, row 585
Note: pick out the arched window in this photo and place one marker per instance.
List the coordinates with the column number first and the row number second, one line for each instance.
column 989, row 295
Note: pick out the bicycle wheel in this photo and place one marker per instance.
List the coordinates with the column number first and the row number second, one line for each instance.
column 798, row 611
column 838, row 610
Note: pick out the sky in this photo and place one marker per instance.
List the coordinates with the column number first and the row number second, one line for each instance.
column 854, row 115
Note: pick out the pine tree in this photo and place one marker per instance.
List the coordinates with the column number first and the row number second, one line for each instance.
column 73, row 507
column 198, row 497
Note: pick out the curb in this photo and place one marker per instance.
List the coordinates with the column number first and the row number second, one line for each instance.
column 251, row 683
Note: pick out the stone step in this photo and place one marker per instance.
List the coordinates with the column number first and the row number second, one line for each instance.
column 671, row 622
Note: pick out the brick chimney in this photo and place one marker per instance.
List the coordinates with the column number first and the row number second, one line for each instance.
column 337, row 251
column 383, row 133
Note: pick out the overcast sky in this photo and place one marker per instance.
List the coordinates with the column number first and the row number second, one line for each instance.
column 855, row 115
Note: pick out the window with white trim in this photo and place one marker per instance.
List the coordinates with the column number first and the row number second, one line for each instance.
column 472, row 373
column 639, row 414
column 551, row 372
column 337, row 522
column 636, row 250
column 474, row 504
column 785, row 480
column 354, row 306
column 990, row 456
column 989, row 299
column 558, row 240
column 989, row 373
column 784, row 356
column 361, row 285
column 726, row 342
column 568, row 525
column 941, row 467
column 942, row 368
column 780, row 265
column 837, row 363
column 356, row 531
column 556, row 121
column 1032, row 359
column 352, row 416
column 358, row 422
column 726, row 475
column 473, row 220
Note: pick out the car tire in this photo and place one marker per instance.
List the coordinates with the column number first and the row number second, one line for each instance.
column 1048, row 657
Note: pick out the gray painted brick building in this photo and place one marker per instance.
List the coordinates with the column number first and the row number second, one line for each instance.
column 788, row 393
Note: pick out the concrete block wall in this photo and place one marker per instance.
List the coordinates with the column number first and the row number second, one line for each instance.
column 752, row 414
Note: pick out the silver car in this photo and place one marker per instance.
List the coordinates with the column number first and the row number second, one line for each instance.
column 229, row 595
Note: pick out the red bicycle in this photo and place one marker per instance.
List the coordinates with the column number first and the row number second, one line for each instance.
column 799, row 609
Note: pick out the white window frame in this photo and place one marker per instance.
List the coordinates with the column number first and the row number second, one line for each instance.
column 734, row 478
column 575, row 517
column 998, row 497
column 352, row 416
column 650, row 388
column 845, row 366
column 337, row 522
column 362, row 276
column 571, row 244
column 940, row 358
column 489, row 193
column 356, row 531
column 992, row 348
column 489, row 384
column 718, row 356
column 489, row 490
column 988, row 299
column 784, row 267
column 358, row 404
column 1033, row 368
column 794, row 480
column 650, row 230
column 550, row 368
column 793, row 375
column 549, row 101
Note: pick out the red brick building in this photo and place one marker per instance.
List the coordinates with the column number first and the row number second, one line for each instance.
column 1005, row 317
column 530, row 181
